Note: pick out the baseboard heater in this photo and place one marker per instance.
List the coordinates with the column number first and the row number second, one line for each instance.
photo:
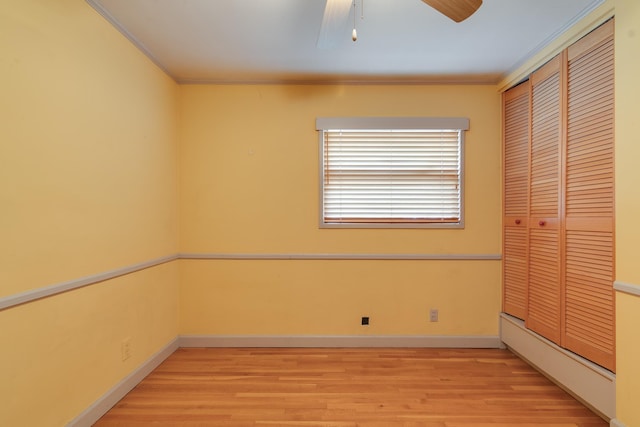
column 586, row 381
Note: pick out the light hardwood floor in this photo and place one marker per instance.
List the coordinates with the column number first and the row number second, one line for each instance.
column 347, row 387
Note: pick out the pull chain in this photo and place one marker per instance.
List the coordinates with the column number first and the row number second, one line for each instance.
column 354, row 33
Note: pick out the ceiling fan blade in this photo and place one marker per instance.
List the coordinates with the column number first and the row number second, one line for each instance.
column 334, row 22
column 457, row 10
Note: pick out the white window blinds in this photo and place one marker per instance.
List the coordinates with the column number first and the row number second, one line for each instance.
column 392, row 176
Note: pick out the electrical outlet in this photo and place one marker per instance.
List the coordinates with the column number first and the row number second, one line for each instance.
column 126, row 349
column 433, row 315
column 365, row 321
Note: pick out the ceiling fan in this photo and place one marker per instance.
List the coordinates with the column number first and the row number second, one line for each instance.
column 336, row 15
column 457, row 10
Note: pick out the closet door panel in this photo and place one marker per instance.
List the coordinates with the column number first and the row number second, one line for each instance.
column 544, row 275
column 515, row 272
column 589, row 274
column 516, row 199
column 589, row 314
column 544, row 309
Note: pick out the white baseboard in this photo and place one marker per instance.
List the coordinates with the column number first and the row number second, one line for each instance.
column 615, row 423
column 340, row 341
column 588, row 382
column 101, row 406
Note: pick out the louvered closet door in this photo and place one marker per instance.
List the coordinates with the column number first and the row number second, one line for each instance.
column 516, row 199
column 545, row 305
column 589, row 298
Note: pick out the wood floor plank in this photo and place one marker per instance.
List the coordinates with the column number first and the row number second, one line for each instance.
column 238, row 387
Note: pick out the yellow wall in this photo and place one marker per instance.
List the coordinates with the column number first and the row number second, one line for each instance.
column 88, row 147
column 61, row 354
column 329, row 297
column 627, row 208
column 249, row 184
column 627, row 357
column 88, row 183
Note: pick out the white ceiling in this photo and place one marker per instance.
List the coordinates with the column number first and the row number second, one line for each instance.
column 266, row 41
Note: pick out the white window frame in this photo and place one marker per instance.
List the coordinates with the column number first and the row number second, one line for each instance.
column 390, row 123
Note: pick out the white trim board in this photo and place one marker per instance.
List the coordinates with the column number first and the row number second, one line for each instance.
column 593, row 15
column 342, row 341
column 48, row 291
column 339, row 257
column 101, row 406
column 98, row 7
column 615, row 423
column 627, row 288
column 331, row 123
column 588, row 382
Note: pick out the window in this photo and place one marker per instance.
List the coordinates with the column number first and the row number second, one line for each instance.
column 391, row 172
